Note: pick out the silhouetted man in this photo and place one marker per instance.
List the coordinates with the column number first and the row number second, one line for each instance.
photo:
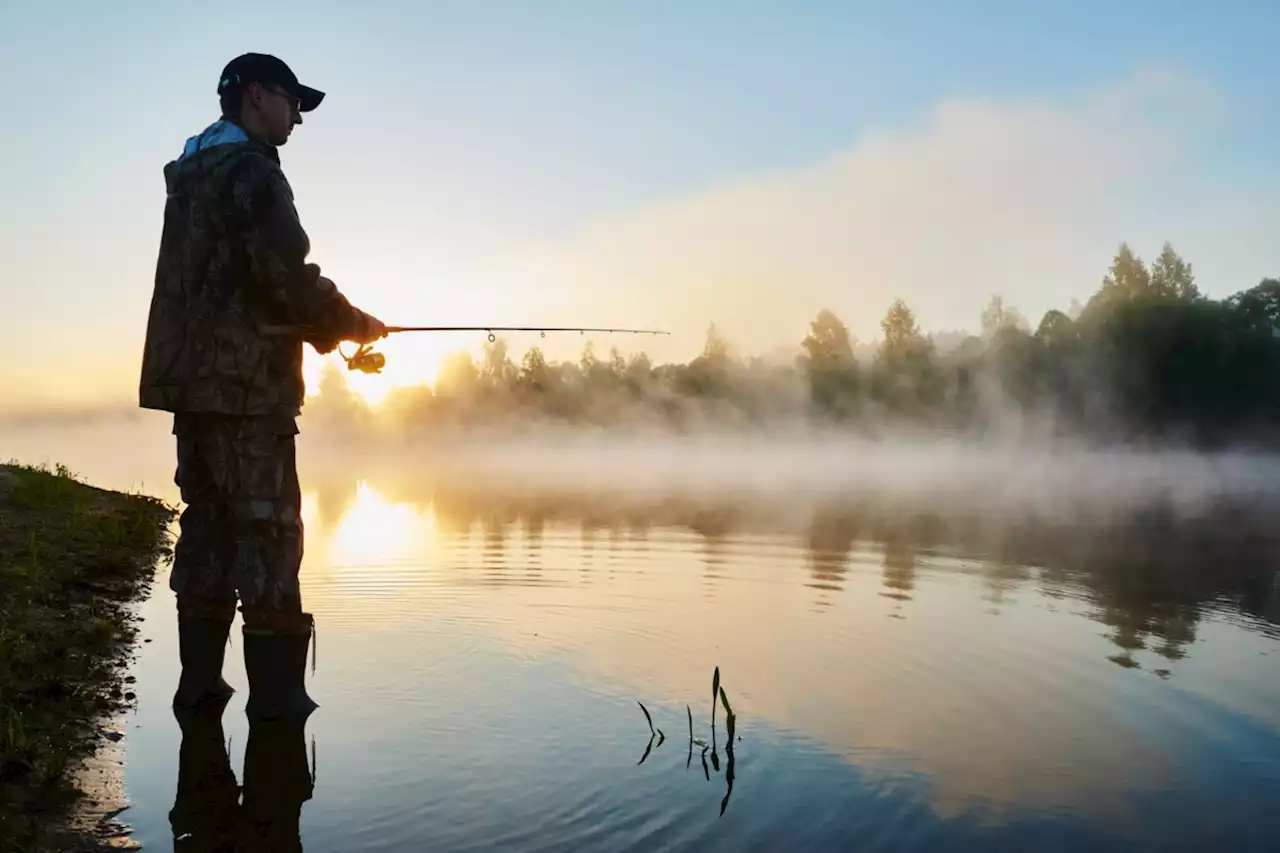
column 232, row 260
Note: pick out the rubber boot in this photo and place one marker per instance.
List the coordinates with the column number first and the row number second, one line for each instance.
column 275, row 659
column 202, row 645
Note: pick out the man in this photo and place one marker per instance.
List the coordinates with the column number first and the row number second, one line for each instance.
column 232, row 261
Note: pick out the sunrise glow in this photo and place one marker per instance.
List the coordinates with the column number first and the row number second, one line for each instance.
column 412, row 360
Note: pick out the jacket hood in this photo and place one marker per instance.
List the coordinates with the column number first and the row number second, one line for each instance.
column 221, row 132
column 207, row 150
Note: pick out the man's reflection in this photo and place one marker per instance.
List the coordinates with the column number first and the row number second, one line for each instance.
column 211, row 813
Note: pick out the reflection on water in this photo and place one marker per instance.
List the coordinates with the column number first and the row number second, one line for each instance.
column 212, row 812
column 906, row 674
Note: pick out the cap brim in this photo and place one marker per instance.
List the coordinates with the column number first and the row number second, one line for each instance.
column 308, row 98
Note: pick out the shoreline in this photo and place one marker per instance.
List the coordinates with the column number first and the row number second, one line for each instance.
column 75, row 560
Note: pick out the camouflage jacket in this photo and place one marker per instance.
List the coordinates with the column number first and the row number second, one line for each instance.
column 232, row 259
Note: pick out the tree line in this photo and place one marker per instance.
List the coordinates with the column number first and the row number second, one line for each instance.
column 1148, row 357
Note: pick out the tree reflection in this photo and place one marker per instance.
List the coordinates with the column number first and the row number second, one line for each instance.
column 1148, row 573
column 829, row 540
column 899, row 568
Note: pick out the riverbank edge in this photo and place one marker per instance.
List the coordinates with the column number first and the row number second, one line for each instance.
column 75, row 560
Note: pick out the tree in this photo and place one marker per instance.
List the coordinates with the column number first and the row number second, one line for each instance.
column 1259, row 306
column 997, row 316
column 617, row 364
column 829, row 364
column 638, row 372
column 828, row 343
column 708, row 374
column 905, row 375
column 496, row 370
column 716, row 348
column 1150, row 358
column 1128, row 276
column 534, row 372
column 901, row 333
column 1056, row 328
column 1171, row 276
column 1127, row 280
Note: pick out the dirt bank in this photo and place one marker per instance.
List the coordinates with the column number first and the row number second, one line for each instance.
column 74, row 560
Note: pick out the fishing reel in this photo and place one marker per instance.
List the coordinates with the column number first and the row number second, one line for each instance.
column 364, row 359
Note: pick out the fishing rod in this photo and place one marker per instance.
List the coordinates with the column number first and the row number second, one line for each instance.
column 366, row 360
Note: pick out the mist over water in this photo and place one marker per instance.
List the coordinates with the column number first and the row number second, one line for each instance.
column 776, row 469
column 790, row 465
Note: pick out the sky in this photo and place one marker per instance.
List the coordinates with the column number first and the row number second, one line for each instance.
column 658, row 164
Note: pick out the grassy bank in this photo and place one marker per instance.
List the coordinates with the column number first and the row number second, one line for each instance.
column 73, row 558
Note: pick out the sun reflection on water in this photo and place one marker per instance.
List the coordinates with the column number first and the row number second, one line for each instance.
column 375, row 530
column 367, row 552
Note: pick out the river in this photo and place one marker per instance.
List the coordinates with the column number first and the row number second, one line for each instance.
column 904, row 674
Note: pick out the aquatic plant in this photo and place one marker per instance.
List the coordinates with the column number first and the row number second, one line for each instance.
column 715, row 689
column 717, row 693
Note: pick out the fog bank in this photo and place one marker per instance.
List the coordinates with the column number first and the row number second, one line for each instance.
column 774, row 469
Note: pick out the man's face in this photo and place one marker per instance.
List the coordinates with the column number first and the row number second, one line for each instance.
column 279, row 112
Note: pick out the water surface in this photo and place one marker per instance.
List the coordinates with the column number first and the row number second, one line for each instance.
column 906, row 675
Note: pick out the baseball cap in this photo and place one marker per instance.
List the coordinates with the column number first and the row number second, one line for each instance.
column 268, row 70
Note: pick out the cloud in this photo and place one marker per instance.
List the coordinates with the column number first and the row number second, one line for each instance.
column 1028, row 197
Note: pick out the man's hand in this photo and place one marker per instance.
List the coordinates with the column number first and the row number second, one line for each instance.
column 369, row 329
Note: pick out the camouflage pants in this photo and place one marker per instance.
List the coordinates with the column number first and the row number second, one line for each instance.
column 241, row 532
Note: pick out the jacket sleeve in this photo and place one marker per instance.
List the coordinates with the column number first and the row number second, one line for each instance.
column 295, row 288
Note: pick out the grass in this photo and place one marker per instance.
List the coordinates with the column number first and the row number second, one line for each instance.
column 73, row 558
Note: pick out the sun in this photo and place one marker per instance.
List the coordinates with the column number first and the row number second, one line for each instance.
column 412, row 360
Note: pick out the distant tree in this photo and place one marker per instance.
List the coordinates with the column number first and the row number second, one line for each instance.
column 905, row 374
column 1127, row 280
column 1056, row 328
column 1259, row 306
column 496, row 370
column 588, row 361
column 708, row 375
column 901, row 332
column 636, row 375
column 716, row 348
column 639, row 368
column 1171, row 276
column 829, row 365
column 1148, row 357
column 1128, row 277
column 828, row 343
column 971, row 347
column 617, row 364
column 997, row 316
column 535, row 374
